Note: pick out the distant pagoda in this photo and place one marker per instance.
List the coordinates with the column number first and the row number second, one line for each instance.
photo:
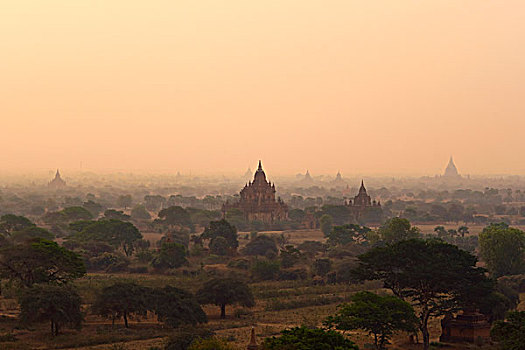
column 57, row 182
column 451, row 171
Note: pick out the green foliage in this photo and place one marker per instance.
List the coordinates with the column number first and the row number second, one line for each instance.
column 115, row 232
column 40, row 261
column 225, row 291
column 175, row 215
column 10, row 223
column 222, row 228
column 176, row 307
column 58, row 304
column 311, row 248
column 349, row 233
column 261, row 245
column 121, row 300
column 139, row 212
column 397, row 229
column 219, row 246
column 438, row 277
column 184, row 336
column 290, row 256
column 503, row 249
column 31, row 232
column 70, row 214
column 302, row 338
column 326, row 222
column 108, row 262
column 510, row 333
column 170, row 256
column 264, row 270
column 116, row 214
column 173, row 306
column 210, row 344
column 124, row 201
column 322, row 266
column 380, row 316
column 339, row 213
column 94, row 208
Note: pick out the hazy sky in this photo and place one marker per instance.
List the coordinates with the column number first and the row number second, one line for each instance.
column 365, row 87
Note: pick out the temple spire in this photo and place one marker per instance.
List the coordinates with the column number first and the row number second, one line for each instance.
column 253, row 342
column 260, row 166
column 362, row 189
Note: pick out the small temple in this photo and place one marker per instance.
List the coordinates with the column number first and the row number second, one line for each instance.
column 469, row 326
column 257, row 201
column 57, row 182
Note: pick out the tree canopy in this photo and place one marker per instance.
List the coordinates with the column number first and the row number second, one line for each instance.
column 175, row 215
column 115, row 232
column 121, row 300
column 57, row 304
column 225, row 291
column 303, row 338
column 510, row 333
column 40, row 261
column 436, row 276
column 380, row 316
column 170, row 256
column 397, row 229
column 261, row 245
column 222, row 228
column 502, row 248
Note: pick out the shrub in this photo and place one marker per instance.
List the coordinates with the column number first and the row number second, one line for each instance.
column 184, row 336
column 265, row 269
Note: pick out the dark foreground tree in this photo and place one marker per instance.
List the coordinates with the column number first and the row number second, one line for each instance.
column 121, row 300
column 436, row 277
column 302, row 338
column 59, row 305
column 225, row 291
column 510, row 333
column 40, row 261
column 380, row 316
column 176, row 307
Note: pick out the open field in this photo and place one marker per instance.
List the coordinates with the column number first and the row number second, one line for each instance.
column 279, row 305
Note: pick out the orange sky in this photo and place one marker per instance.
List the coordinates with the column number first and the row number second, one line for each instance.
column 365, row 87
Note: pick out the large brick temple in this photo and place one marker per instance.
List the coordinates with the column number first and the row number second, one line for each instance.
column 257, row 201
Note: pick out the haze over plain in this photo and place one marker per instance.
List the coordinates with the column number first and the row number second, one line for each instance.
column 376, row 87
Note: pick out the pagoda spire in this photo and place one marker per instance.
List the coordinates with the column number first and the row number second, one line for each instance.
column 362, row 189
column 253, row 342
column 260, row 165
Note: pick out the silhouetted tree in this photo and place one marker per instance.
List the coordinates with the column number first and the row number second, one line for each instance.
column 225, row 291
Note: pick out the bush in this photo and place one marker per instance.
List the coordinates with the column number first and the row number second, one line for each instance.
column 210, row 344
column 265, row 269
column 183, row 337
column 293, row 275
column 243, row 264
column 304, row 338
column 109, row 262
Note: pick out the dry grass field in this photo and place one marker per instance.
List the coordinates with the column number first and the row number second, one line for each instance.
column 279, row 305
